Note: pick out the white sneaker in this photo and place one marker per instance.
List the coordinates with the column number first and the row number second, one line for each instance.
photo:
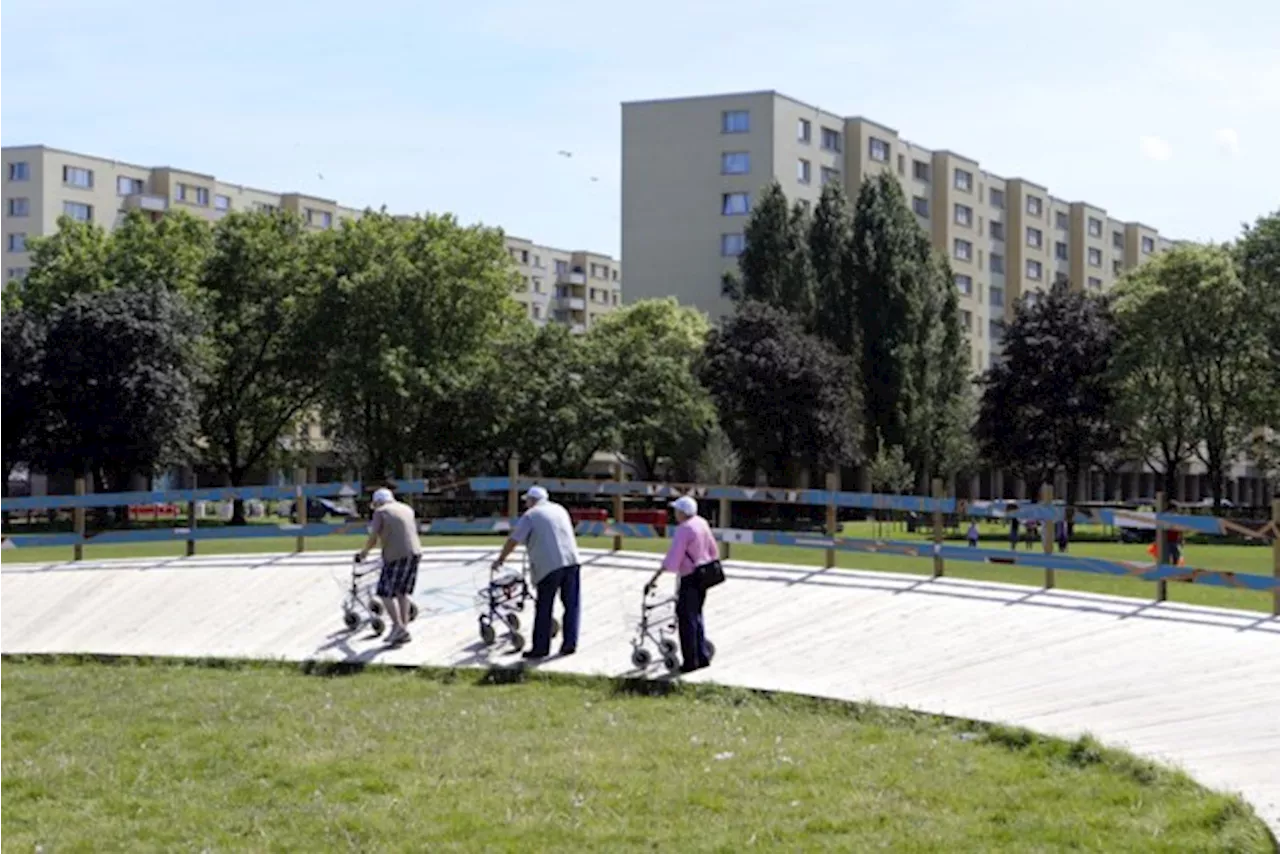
column 398, row 635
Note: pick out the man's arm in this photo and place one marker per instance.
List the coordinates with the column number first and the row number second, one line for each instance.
column 519, row 534
column 671, row 562
column 507, row 548
column 375, row 527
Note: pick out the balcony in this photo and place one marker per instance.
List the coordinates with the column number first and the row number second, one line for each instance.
column 146, row 202
column 574, row 278
column 572, row 303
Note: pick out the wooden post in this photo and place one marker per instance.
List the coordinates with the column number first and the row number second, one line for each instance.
column 513, row 489
column 1162, row 550
column 300, row 506
column 1047, row 529
column 191, row 520
column 939, row 566
column 78, row 516
column 724, row 512
column 833, row 523
column 617, row 507
column 1275, row 554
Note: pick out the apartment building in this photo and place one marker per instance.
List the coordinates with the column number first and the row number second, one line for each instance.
column 42, row 184
column 693, row 167
column 574, row 288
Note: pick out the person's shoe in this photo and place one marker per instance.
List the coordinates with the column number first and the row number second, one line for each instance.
column 534, row 656
column 567, row 651
column 399, row 635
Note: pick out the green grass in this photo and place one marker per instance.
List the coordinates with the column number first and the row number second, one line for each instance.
column 1238, row 558
column 151, row 756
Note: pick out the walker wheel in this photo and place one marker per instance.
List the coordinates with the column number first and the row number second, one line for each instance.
column 640, row 657
column 376, row 625
column 667, row 647
column 517, row 641
column 413, row 611
column 487, row 634
column 711, row 650
column 375, row 606
column 555, row 627
column 671, row 663
column 351, row 619
column 514, row 622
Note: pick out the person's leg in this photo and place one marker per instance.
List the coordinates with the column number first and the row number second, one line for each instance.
column 388, row 584
column 685, row 622
column 547, row 588
column 404, row 592
column 570, row 592
column 704, row 649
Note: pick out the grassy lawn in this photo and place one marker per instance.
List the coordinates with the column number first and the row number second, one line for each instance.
column 1238, row 558
column 167, row 756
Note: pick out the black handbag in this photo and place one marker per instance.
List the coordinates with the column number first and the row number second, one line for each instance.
column 707, row 575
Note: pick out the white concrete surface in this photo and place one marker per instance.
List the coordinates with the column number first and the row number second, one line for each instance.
column 1191, row 686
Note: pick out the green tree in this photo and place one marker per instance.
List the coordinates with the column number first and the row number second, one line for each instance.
column 646, row 356
column 169, row 252
column 831, row 250
column 719, row 461
column 797, row 294
column 1048, row 403
column 1258, row 256
column 774, row 267
column 786, row 399
column 417, row 299
column 25, row 406
column 1214, row 339
column 120, row 376
column 72, row 260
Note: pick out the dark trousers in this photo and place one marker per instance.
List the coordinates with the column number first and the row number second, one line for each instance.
column 564, row 581
column 693, row 636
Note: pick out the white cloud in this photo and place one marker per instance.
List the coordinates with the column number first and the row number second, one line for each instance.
column 1155, row 148
column 1228, row 141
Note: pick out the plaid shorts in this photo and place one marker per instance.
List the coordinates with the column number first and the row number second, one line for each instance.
column 399, row 577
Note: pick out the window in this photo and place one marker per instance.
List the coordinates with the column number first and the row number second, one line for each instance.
column 615, row 296
column 902, row 165
column 202, row 196
column 1095, row 257
column 830, row 139
column 266, row 208
column 804, row 171
column 735, row 121
column 804, row 131
column 180, row 192
column 18, row 241
column 1148, row 245
column 537, row 284
column 537, row 312
column 20, row 171
column 537, row 261
column 966, row 318
column 962, row 249
column 20, row 207
column 1030, row 298
column 1117, row 239
column 1035, row 238
column 78, row 211
column 997, row 230
column 562, row 268
column 1061, row 278
column 920, row 170
column 1061, row 220
column 1117, row 267
column 1034, row 270
column 995, row 331
column 735, row 163
column 591, row 294
column 1035, row 205
column 731, row 245
column 829, row 175
column 325, row 218
column 964, row 215
column 126, row 186
column 1060, row 251
column 222, row 203
column 77, row 177
column 878, row 149
column 964, row 180
column 1095, row 283
column 17, row 272
column 964, row 284
column 734, row 204
column 997, row 263
column 920, row 205
column 997, row 198
column 1095, row 227
column 996, row 296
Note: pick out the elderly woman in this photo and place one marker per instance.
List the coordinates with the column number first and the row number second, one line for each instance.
column 692, row 546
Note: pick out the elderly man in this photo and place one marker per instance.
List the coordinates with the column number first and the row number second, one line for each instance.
column 692, row 546
column 396, row 526
column 546, row 531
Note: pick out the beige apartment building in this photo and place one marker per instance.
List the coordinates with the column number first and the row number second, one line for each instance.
column 692, row 168
column 42, row 184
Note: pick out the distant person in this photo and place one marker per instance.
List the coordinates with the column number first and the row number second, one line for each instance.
column 1061, row 534
column 546, row 531
column 1014, row 522
column 693, row 546
column 973, row 535
column 396, row 527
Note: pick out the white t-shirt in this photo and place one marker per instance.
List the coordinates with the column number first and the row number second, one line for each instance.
column 546, row 531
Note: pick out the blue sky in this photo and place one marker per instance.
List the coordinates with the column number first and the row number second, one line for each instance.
column 1163, row 112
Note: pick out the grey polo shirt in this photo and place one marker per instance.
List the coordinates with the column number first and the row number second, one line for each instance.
column 546, row 531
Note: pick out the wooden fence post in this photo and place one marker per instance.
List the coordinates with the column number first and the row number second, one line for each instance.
column 513, row 489
column 1275, row 554
column 1162, row 550
column 617, row 507
column 833, row 523
column 724, row 512
column 1047, row 530
column 78, row 517
column 300, row 505
column 191, row 520
column 939, row 566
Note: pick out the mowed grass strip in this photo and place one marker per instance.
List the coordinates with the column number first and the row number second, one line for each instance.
column 1256, row 559
column 144, row 756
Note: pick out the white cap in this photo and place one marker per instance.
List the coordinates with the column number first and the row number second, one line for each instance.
column 382, row 496
column 686, row 505
column 536, row 493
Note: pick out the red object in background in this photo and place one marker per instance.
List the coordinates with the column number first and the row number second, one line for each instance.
column 152, row 512
column 656, row 518
column 588, row 514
